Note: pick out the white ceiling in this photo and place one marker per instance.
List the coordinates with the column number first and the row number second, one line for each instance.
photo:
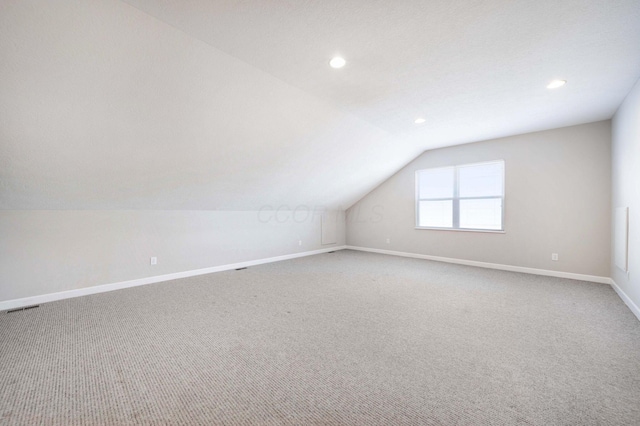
column 473, row 69
column 231, row 104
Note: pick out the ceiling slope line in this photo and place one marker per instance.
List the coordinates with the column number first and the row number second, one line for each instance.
column 327, row 101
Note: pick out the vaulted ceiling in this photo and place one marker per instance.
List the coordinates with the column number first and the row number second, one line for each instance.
column 194, row 104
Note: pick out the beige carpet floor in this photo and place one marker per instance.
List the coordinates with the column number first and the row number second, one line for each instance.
column 346, row 338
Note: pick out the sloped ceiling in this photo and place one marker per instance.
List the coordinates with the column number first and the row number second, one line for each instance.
column 197, row 104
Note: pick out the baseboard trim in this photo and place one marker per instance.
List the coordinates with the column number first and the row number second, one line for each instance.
column 35, row 300
column 534, row 271
column 626, row 299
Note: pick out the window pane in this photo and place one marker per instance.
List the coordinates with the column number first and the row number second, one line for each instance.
column 436, row 183
column 481, row 180
column 481, row 214
column 436, row 214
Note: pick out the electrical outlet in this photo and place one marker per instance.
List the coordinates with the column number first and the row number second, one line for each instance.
column 154, row 260
column 388, row 240
column 554, row 257
column 299, row 242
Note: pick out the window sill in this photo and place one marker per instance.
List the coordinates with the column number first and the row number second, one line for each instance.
column 485, row 231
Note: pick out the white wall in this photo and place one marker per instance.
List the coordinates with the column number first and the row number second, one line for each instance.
column 105, row 107
column 44, row 252
column 122, row 137
column 626, row 188
column 557, row 201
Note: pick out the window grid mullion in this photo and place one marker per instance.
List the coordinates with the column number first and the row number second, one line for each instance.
column 488, row 197
column 456, row 199
column 440, row 199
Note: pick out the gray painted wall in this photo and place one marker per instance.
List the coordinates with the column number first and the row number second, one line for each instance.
column 557, row 201
column 626, row 187
column 45, row 252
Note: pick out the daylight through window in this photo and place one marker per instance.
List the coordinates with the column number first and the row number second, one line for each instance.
column 469, row 197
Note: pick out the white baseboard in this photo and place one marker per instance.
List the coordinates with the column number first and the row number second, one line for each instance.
column 626, row 299
column 35, row 300
column 545, row 272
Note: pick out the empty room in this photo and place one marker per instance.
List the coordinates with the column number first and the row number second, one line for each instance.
column 336, row 212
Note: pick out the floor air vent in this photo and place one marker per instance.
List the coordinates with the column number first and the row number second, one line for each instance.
column 240, row 269
column 23, row 309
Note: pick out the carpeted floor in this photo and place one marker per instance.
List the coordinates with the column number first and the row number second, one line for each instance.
column 347, row 338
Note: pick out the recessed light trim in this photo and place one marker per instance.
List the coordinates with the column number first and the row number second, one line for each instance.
column 337, row 62
column 419, row 120
column 556, row 83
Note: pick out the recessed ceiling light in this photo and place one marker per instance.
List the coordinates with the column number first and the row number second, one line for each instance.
column 556, row 83
column 419, row 120
column 337, row 62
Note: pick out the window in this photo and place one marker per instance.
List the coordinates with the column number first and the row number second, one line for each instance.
column 469, row 197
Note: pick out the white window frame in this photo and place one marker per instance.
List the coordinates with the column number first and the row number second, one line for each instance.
column 456, row 199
